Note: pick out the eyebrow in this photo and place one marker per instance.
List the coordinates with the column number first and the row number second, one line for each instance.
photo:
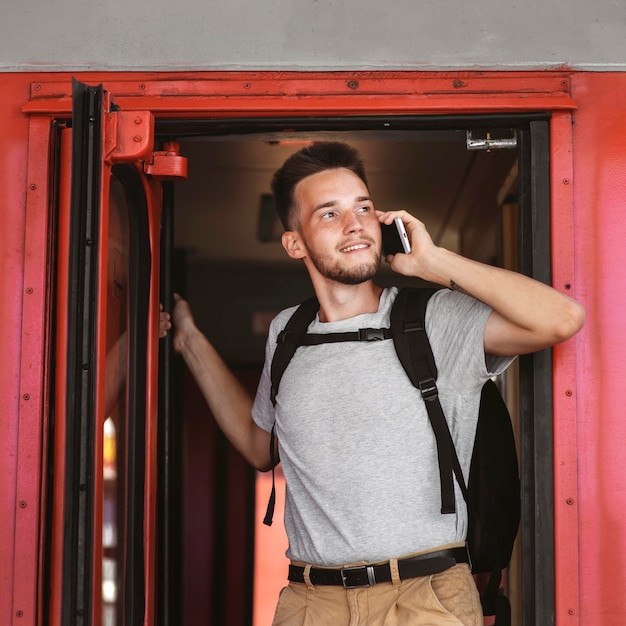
column 332, row 203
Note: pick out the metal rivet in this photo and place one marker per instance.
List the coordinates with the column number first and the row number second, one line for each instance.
column 570, row 501
column 566, row 181
column 569, row 392
column 136, row 138
column 26, row 396
column 23, row 504
column 19, row 614
column 567, row 285
column 33, row 187
column 29, row 290
column 353, row 84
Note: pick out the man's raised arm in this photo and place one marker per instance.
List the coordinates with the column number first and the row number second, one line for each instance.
column 527, row 314
column 228, row 400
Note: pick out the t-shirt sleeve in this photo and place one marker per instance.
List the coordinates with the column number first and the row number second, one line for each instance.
column 455, row 324
column 262, row 408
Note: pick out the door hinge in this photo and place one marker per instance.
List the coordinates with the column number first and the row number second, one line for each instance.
column 167, row 164
column 129, row 136
column 489, row 142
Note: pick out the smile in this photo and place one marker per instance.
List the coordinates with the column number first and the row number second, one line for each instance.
column 358, row 246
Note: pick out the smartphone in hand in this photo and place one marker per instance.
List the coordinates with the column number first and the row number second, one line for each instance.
column 395, row 238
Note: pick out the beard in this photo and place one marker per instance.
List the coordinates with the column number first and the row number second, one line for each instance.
column 335, row 271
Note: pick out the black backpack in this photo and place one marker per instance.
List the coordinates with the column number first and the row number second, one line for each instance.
column 492, row 493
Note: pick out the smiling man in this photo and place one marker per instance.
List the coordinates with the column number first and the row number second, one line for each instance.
column 352, row 433
column 339, row 238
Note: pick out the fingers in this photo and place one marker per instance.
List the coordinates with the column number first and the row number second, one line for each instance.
column 165, row 320
column 386, row 217
column 179, row 317
column 165, row 323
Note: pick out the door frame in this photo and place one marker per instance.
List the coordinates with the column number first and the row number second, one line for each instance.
column 249, row 98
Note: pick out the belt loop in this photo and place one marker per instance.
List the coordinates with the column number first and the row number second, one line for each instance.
column 395, row 572
column 307, row 577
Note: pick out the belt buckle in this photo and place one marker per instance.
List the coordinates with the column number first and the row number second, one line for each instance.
column 364, row 576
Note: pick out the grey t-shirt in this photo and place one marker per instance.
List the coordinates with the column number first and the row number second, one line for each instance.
column 357, row 450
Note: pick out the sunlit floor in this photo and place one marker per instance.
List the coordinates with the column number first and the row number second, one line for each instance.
column 270, row 562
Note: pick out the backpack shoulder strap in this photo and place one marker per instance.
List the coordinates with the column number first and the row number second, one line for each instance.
column 408, row 326
column 296, row 326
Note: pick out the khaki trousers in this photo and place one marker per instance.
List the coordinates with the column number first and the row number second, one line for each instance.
column 449, row 598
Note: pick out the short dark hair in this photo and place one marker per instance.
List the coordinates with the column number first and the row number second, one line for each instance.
column 318, row 157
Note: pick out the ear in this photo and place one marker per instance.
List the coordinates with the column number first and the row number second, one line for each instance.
column 293, row 244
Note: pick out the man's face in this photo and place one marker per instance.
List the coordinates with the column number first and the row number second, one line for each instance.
column 338, row 226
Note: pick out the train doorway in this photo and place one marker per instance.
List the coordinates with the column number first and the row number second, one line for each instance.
column 481, row 185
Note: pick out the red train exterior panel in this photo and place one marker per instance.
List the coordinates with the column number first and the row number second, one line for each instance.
column 588, row 187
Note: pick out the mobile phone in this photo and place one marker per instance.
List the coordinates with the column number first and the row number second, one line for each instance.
column 395, row 238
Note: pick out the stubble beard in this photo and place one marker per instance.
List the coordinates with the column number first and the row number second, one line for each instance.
column 335, row 271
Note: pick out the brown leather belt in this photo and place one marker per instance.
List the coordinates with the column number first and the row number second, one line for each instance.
column 367, row 575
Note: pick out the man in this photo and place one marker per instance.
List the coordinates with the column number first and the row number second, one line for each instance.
column 356, row 446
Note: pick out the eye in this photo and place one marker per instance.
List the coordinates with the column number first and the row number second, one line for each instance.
column 328, row 215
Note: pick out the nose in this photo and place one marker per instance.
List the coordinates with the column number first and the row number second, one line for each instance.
column 353, row 223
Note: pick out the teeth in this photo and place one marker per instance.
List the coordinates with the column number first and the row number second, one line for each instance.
column 357, row 247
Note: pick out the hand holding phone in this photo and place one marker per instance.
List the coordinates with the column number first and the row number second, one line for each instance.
column 395, row 238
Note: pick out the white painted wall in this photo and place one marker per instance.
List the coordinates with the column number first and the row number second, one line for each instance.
column 74, row 35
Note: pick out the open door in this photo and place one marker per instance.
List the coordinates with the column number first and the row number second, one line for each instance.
column 105, row 462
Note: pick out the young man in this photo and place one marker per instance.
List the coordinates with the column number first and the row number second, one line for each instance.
column 353, row 436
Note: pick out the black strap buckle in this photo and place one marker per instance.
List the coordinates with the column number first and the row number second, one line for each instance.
column 359, row 576
column 371, row 334
column 428, row 389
